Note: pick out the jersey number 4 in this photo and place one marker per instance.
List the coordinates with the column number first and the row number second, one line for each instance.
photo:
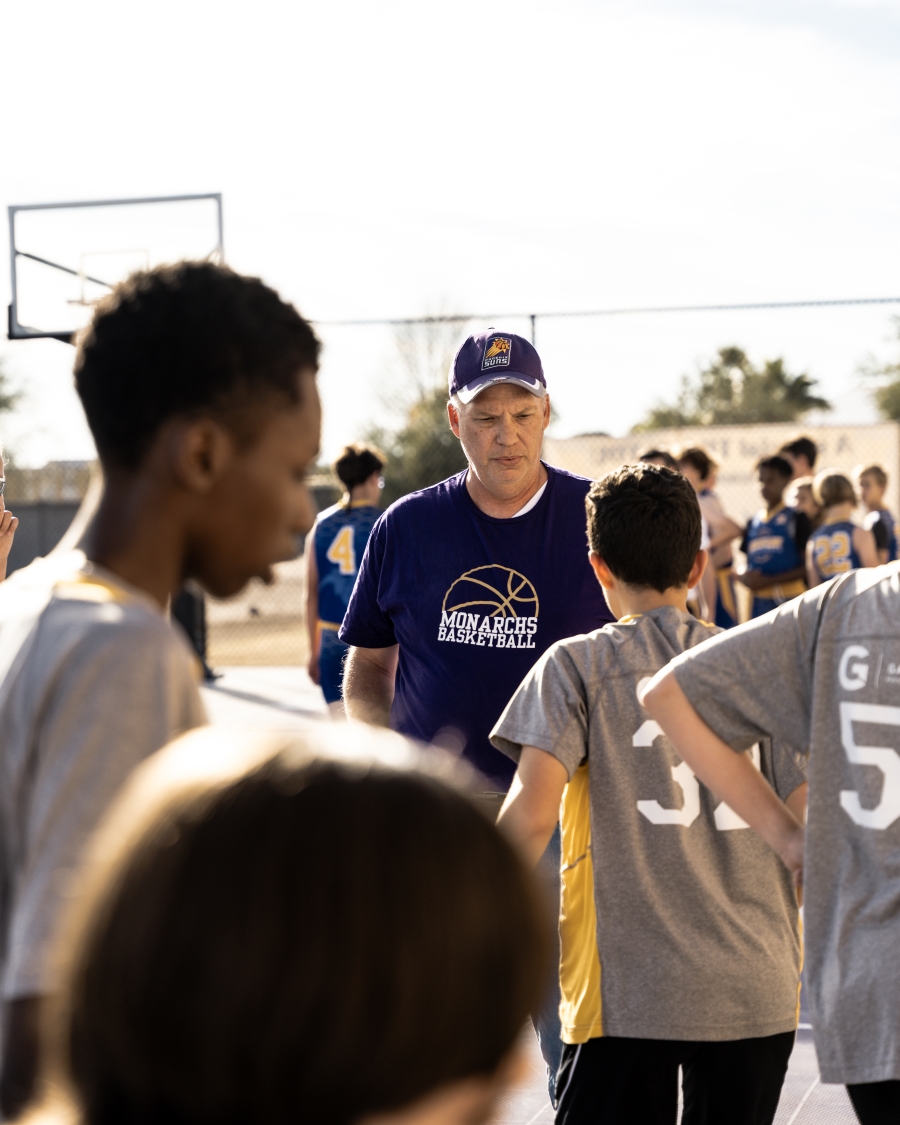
column 726, row 818
column 342, row 552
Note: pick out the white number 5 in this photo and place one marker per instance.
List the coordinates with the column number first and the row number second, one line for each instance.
column 881, row 757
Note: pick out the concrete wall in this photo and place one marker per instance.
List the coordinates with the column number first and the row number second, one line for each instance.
column 41, row 526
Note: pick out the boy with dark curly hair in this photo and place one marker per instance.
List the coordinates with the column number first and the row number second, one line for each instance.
column 199, row 389
column 679, row 932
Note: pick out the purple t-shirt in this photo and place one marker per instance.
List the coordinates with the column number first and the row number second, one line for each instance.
column 473, row 601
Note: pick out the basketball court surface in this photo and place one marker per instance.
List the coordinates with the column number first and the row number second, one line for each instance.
column 286, row 699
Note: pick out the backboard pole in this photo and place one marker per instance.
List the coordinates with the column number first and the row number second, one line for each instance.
column 13, row 307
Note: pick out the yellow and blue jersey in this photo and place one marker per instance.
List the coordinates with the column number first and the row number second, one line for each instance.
column 833, row 550
column 340, row 540
column 774, row 543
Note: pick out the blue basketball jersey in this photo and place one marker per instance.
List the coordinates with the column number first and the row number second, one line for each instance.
column 340, row 542
column 883, row 519
column 833, row 550
column 770, row 541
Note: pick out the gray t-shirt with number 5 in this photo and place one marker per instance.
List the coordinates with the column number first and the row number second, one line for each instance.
column 677, row 921
column 823, row 673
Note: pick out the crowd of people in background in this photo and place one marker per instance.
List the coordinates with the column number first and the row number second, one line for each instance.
column 806, row 534
column 342, row 927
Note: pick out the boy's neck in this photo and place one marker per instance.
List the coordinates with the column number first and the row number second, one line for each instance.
column 136, row 536
column 632, row 601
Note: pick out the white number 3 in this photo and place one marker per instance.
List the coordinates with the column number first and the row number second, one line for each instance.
column 682, row 774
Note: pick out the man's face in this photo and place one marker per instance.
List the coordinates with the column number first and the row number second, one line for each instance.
column 772, row 486
column 502, row 431
column 260, row 504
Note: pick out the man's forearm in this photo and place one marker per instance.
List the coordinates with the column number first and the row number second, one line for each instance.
column 369, row 686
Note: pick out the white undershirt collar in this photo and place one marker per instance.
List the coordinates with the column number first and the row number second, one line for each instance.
column 532, row 502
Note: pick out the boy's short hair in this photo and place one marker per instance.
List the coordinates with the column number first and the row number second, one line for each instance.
column 802, row 447
column 220, row 972
column 185, row 339
column 696, row 456
column 832, row 487
column 876, row 473
column 777, row 464
column 644, row 522
column 659, row 455
column 357, row 463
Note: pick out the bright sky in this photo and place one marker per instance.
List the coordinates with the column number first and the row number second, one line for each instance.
column 488, row 156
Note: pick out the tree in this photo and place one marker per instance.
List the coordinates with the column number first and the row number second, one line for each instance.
column 731, row 390
column 887, row 396
column 9, row 398
column 421, row 450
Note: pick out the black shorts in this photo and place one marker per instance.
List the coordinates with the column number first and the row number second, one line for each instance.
column 876, row 1103
column 635, row 1081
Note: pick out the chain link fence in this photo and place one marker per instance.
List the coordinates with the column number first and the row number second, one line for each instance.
column 265, row 625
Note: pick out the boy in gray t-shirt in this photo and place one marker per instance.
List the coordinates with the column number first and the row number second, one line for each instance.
column 679, row 929
column 199, row 389
column 821, row 673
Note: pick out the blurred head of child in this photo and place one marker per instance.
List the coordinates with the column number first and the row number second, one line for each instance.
column 801, row 497
column 834, row 493
column 873, row 482
column 323, row 930
column 773, row 474
column 699, row 468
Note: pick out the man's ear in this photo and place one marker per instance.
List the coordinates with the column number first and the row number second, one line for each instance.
column 697, row 569
column 200, row 451
column 605, row 576
column 546, row 411
column 453, row 417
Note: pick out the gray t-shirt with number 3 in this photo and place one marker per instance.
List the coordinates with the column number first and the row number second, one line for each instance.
column 823, row 673
column 677, row 921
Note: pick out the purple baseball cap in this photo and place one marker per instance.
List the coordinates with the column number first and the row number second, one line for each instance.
column 496, row 357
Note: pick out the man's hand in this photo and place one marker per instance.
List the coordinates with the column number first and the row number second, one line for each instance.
column 313, row 668
column 754, row 579
column 369, row 684
column 8, row 525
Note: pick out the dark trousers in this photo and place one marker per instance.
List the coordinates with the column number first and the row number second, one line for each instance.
column 635, row 1081
column 876, row 1103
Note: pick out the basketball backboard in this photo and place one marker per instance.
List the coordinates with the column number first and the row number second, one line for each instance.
column 64, row 257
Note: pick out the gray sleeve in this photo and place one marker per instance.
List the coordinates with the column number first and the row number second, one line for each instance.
column 755, row 681
column 124, row 692
column 789, row 769
column 549, row 710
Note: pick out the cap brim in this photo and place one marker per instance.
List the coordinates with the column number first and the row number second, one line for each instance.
column 471, row 390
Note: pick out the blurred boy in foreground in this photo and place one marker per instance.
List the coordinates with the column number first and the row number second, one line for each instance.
column 213, row 971
column 679, row 934
column 199, row 389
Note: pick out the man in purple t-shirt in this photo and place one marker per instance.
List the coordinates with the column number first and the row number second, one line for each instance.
column 464, row 585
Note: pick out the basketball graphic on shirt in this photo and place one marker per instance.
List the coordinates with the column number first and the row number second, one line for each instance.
column 494, row 591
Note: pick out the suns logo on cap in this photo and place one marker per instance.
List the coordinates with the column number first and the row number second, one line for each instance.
column 497, row 353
